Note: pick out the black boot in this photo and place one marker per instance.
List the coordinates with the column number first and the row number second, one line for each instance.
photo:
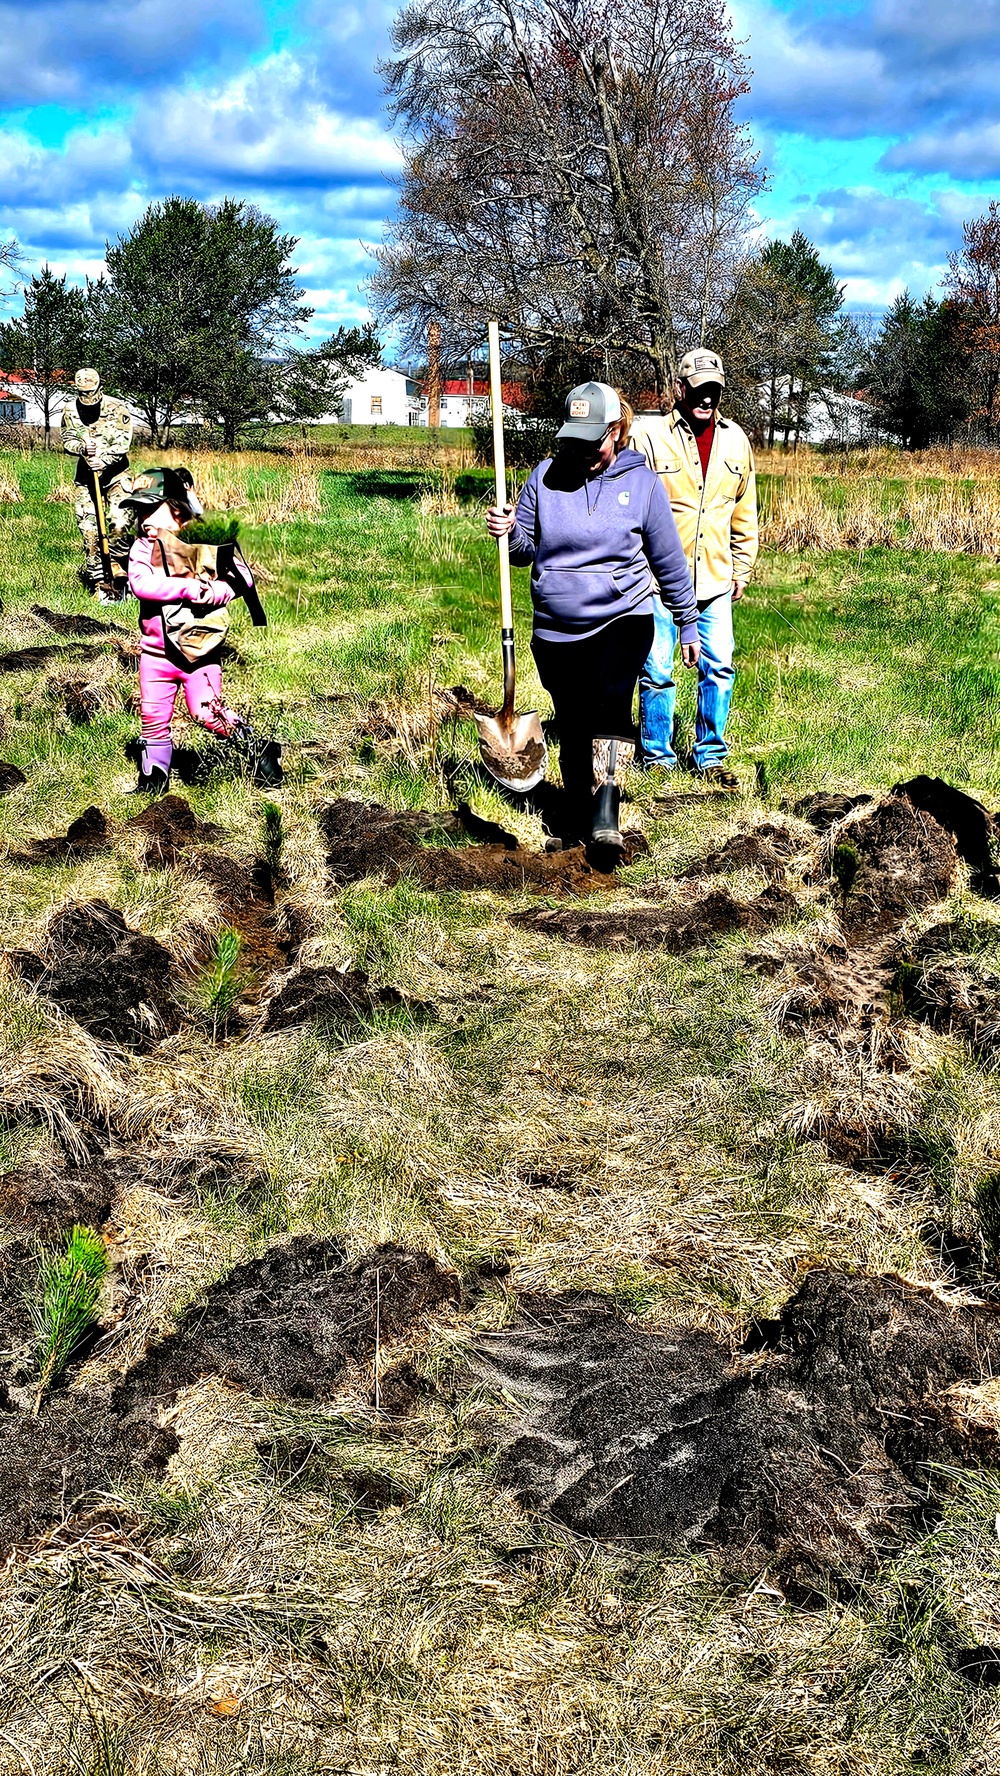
column 611, row 756
column 153, row 782
column 262, row 756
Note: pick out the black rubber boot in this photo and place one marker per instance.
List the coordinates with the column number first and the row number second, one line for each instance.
column 607, row 802
column 262, row 756
column 153, row 782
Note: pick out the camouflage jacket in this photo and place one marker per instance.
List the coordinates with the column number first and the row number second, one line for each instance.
column 112, row 432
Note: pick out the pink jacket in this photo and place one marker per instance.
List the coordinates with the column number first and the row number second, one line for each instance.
column 153, row 587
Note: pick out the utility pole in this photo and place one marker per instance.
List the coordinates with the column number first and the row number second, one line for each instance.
column 434, row 374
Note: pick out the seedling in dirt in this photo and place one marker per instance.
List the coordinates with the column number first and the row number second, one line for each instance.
column 66, row 1305
column 221, row 985
column 274, row 836
column 846, row 864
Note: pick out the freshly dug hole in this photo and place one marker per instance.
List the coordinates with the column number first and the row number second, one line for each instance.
column 116, row 982
column 29, row 659
column 10, row 778
column 951, row 990
column 681, row 927
column 70, row 623
column 807, row 1453
column 372, row 841
column 292, row 1322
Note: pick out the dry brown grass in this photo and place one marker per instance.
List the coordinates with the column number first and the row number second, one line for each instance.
column 951, row 517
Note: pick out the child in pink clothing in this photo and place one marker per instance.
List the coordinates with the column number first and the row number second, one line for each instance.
column 163, row 503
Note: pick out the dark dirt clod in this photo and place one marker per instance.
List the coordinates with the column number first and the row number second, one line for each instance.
column 939, row 983
column 169, row 825
column 906, row 861
column 290, row 1323
column 68, row 623
column 30, row 659
column 47, row 1202
column 364, row 840
column 116, row 982
column 49, row 1465
column 88, row 834
column 809, row 1456
column 768, row 848
column 10, row 778
column 973, row 827
column 684, row 926
column 823, row 811
column 18, row 1279
column 332, row 997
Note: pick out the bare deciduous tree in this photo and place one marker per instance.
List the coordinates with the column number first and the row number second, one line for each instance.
column 973, row 282
column 574, row 170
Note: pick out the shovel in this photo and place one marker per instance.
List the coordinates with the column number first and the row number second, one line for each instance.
column 512, row 747
column 113, row 592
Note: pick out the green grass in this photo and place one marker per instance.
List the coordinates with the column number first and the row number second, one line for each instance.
column 457, row 1631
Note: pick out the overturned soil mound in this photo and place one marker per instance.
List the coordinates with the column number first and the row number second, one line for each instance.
column 364, row 840
column 973, row 827
column 942, row 985
column 31, row 659
column 808, row 1454
column 10, row 778
column 823, row 811
column 685, row 926
column 116, row 982
column 769, row 848
column 825, row 982
column 70, row 623
column 168, row 826
column 49, row 1465
column 334, row 998
column 84, row 837
column 48, row 1202
column 291, row 1322
column 905, row 861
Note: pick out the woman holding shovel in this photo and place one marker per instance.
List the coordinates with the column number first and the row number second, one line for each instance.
column 595, row 526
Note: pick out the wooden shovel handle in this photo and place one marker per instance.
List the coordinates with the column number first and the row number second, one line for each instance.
column 500, row 473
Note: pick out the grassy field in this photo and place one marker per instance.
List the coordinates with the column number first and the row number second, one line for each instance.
column 326, row 1585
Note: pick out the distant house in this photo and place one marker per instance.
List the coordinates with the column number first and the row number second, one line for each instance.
column 18, row 405
column 380, row 397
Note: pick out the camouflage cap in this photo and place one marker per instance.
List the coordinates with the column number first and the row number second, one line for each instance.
column 87, row 384
column 701, row 366
column 154, row 487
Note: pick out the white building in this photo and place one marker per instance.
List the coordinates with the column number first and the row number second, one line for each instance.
column 381, row 397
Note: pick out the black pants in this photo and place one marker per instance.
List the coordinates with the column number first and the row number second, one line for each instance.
column 592, row 685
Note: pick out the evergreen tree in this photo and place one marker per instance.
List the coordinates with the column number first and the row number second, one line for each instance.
column 46, row 343
column 917, row 374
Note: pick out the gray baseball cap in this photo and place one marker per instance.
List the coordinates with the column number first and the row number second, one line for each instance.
column 590, row 408
column 700, row 366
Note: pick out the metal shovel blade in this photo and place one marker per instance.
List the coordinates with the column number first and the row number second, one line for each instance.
column 514, row 751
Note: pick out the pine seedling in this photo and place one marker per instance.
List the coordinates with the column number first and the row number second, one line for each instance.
column 846, row 864
column 210, row 528
column 65, row 1307
column 222, row 985
column 274, row 836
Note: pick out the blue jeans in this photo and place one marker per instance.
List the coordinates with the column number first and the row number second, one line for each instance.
column 658, row 688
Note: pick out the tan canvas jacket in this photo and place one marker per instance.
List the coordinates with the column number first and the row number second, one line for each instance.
column 717, row 522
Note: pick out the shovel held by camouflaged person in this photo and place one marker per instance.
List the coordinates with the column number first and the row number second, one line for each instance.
column 512, row 747
column 104, row 547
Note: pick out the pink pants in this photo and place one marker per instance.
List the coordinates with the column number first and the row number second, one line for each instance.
column 159, row 682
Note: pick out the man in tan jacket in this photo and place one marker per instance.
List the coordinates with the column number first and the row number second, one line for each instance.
column 706, row 465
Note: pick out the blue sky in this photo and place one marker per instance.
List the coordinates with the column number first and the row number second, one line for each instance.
column 879, row 122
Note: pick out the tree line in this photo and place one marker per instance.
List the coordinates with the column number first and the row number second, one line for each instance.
column 579, row 172
column 196, row 316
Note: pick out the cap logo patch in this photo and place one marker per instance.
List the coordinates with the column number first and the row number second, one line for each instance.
column 579, row 409
column 141, row 482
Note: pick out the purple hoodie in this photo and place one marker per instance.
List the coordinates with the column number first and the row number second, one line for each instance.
column 594, row 546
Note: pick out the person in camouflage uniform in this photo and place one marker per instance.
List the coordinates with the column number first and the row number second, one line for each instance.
column 97, row 430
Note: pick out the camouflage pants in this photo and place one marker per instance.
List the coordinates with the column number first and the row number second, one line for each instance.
column 120, row 527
